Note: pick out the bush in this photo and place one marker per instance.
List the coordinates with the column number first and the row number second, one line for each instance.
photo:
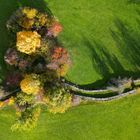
column 58, row 100
column 38, row 61
column 31, row 84
column 27, row 119
column 23, row 99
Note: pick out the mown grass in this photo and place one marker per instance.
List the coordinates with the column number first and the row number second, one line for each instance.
column 114, row 120
column 103, row 38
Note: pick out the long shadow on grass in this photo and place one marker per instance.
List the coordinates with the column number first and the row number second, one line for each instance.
column 7, row 7
column 138, row 18
column 134, row 1
column 128, row 42
column 105, row 64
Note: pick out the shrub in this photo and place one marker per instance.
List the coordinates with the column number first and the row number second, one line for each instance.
column 30, row 84
column 29, row 12
column 11, row 56
column 27, row 119
column 60, row 61
column 22, row 99
column 58, row 100
column 28, row 41
column 8, row 102
column 12, row 81
column 39, row 62
column 54, row 29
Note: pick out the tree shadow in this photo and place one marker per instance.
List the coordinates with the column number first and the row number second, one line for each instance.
column 104, row 62
column 128, row 42
column 134, row 1
column 6, row 9
column 138, row 18
column 107, row 64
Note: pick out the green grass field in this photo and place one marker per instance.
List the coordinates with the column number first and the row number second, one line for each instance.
column 103, row 38
column 117, row 120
